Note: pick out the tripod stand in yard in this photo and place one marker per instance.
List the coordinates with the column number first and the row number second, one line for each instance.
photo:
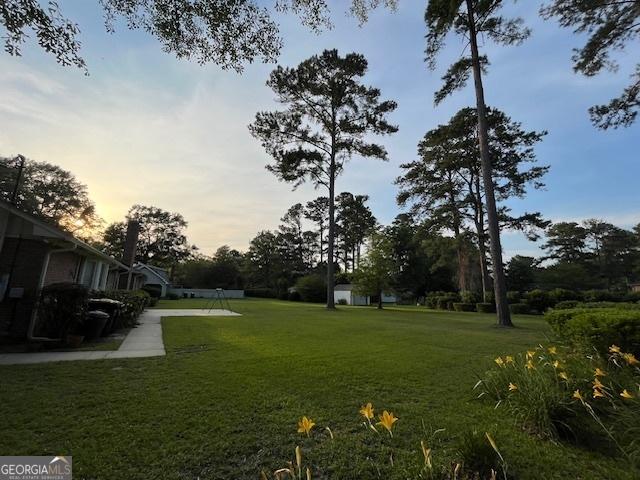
column 218, row 298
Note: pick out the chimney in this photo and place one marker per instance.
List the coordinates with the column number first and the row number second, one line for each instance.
column 130, row 243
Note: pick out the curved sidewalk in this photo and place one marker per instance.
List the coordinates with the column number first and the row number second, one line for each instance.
column 145, row 340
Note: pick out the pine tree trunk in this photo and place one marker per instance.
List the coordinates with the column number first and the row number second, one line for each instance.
column 321, row 244
column 499, row 284
column 331, row 239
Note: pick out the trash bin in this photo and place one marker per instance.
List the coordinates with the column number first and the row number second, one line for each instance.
column 109, row 306
column 94, row 324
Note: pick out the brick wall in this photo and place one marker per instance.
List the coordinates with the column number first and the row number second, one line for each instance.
column 23, row 258
column 62, row 268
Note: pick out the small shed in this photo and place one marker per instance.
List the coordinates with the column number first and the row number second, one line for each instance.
column 345, row 292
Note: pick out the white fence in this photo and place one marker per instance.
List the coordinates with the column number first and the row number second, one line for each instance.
column 205, row 292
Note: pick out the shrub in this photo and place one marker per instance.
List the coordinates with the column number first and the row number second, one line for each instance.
column 62, row 309
column 294, row 296
column 172, row 296
column 566, row 305
column 464, row 307
column 431, row 299
column 469, row 297
column 601, row 296
column 342, row 301
column 486, row 307
column 261, row 293
column 445, row 302
column 514, row 297
column 312, row 288
column 134, row 302
column 558, row 295
column 632, row 297
column 539, row 300
column 519, row 308
column 598, row 328
column 154, row 292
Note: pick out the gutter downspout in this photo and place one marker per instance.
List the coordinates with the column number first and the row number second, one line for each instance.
column 34, row 314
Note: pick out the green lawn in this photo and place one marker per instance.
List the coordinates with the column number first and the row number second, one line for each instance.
column 225, row 400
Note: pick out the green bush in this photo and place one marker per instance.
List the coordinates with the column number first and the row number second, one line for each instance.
column 469, row 297
column 294, row 296
column 558, row 295
column 539, row 300
column 134, row 302
column 486, row 307
column 464, row 307
column 598, row 328
column 519, row 308
column 312, row 288
column 514, row 297
column 62, row 309
column 154, row 292
column 566, row 305
column 342, row 301
column 601, row 296
column 172, row 296
column 261, row 293
column 431, row 299
column 445, row 302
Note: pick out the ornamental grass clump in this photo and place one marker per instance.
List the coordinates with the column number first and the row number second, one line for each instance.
column 561, row 393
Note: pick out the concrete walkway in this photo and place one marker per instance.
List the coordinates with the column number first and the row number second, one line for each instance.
column 143, row 341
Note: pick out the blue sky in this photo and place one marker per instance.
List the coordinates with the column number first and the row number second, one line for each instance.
column 147, row 128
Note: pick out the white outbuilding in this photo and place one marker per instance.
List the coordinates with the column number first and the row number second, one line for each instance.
column 346, row 293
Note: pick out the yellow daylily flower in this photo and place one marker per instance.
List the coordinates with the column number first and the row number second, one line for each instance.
column 597, row 393
column 508, row 359
column 556, row 364
column 614, row 349
column 367, row 411
column 387, row 420
column 305, row 425
column 512, row 387
column 563, row 376
column 626, row 394
column 630, row 358
column 599, row 373
column 530, row 353
column 597, row 383
column 499, row 361
column 530, row 365
column 577, row 395
column 552, row 350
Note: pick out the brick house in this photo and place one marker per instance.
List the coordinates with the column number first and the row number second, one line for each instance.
column 33, row 254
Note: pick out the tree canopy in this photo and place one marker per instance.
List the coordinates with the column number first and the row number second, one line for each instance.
column 52, row 193
column 610, row 27
column 229, row 33
column 162, row 240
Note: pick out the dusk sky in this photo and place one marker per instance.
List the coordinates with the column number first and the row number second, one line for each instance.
column 147, row 128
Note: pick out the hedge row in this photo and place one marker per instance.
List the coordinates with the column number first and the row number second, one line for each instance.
column 598, row 327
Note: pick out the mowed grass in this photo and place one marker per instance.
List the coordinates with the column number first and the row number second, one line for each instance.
column 224, row 402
